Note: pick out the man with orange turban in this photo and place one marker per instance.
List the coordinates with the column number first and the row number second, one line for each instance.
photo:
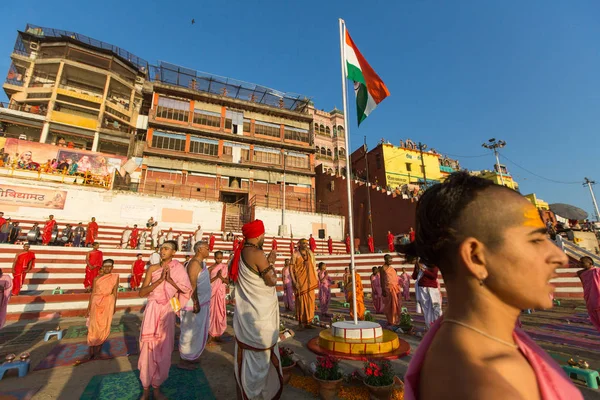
column 257, row 365
column 304, row 280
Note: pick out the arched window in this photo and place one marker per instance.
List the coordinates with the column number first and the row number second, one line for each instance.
column 317, row 149
column 342, row 152
column 322, row 129
column 328, row 152
column 316, row 128
column 340, row 130
column 328, row 131
column 335, row 151
column 344, row 171
column 323, row 151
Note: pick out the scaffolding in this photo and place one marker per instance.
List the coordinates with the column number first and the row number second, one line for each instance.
column 204, row 82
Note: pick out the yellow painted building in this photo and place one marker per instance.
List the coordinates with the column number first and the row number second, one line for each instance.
column 505, row 179
column 538, row 203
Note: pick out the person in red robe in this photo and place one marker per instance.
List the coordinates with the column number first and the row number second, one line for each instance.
column 211, row 242
column 312, row 243
column 92, row 232
column 348, row 247
column 292, row 246
column 236, row 244
column 137, row 271
column 330, row 245
column 93, row 261
column 371, row 244
column 274, row 244
column 133, row 239
column 47, row 232
column 24, row 262
column 390, row 240
column 411, row 234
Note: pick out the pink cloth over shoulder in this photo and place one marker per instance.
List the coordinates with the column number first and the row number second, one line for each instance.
column 288, row 290
column 552, row 381
column 376, row 293
column 157, row 333
column 102, row 309
column 591, row 293
column 324, row 291
column 218, row 312
column 6, row 284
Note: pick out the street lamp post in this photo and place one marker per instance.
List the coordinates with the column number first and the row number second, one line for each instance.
column 421, row 148
column 589, row 183
column 494, row 145
column 282, row 228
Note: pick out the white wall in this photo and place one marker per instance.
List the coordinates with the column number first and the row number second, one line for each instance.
column 116, row 207
column 301, row 224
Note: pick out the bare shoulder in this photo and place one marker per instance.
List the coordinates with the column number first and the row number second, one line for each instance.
column 153, row 268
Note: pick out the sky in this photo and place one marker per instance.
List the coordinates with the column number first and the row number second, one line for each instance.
column 459, row 72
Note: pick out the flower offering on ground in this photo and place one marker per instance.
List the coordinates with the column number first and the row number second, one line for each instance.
column 378, row 373
column 328, row 368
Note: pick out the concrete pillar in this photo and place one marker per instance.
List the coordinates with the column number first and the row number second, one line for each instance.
column 45, row 129
column 96, row 140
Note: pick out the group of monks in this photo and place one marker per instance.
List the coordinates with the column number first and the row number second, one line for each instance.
column 91, row 233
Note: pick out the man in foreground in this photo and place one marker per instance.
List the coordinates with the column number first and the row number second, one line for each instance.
column 166, row 285
column 590, row 278
column 196, row 313
column 304, row 280
column 496, row 259
column 24, row 262
column 257, row 364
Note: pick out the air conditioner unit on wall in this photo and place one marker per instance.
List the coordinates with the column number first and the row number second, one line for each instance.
column 34, row 46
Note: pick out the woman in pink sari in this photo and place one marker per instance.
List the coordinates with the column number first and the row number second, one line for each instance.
column 405, row 284
column 376, row 291
column 5, row 286
column 218, row 285
column 493, row 251
column 288, row 290
column 324, row 288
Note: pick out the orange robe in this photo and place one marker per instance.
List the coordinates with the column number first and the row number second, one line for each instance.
column 95, row 259
column 360, row 297
column 139, row 266
column 391, row 301
column 47, row 232
column 92, row 233
column 306, row 279
column 20, row 270
column 102, row 309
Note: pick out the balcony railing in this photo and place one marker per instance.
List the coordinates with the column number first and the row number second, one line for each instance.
column 116, row 126
column 15, row 81
column 32, row 109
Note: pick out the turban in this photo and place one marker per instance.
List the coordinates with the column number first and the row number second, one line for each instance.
column 251, row 230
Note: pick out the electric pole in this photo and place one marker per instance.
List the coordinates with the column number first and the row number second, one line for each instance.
column 494, row 145
column 589, row 183
column 421, row 148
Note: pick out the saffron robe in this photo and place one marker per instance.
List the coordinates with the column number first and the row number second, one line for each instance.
column 306, row 279
column 102, row 309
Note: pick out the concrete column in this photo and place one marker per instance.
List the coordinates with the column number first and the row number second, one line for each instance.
column 96, row 140
column 45, row 129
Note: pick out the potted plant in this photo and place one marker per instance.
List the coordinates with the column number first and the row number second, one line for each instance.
column 287, row 363
column 379, row 379
column 405, row 320
column 328, row 376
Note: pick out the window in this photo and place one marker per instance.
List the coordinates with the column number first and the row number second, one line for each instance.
column 228, row 151
column 266, row 129
column 328, row 152
column 327, row 131
column 316, row 128
column 168, row 141
column 173, row 109
column 207, row 118
column 299, row 135
column 233, row 119
column 246, row 125
column 342, row 152
column 204, row 146
column 323, row 151
column 266, row 155
column 317, row 149
column 296, row 160
column 408, row 167
column 340, row 130
column 322, row 129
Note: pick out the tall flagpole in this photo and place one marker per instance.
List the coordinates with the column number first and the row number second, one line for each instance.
column 348, row 164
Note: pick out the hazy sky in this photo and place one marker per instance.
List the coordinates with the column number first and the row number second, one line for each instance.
column 459, row 72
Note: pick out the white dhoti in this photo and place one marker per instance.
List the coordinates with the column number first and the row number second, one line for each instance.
column 194, row 327
column 256, row 325
column 430, row 301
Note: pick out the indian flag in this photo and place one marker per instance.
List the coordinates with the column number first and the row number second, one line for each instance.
column 368, row 86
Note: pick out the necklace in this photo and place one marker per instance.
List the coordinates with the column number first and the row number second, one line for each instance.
column 504, row 342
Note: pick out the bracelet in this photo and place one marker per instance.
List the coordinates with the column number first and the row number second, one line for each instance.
column 266, row 271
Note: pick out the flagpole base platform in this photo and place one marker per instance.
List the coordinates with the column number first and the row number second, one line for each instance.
column 359, row 341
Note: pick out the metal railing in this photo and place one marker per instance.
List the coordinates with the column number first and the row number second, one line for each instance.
column 177, row 190
column 32, row 109
column 293, row 202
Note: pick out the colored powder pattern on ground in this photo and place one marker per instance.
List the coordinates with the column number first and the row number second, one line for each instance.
column 346, row 392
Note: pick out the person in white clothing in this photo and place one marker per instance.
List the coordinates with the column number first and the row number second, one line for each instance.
column 180, row 241
column 257, row 365
column 198, row 234
column 154, row 257
column 427, row 290
column 170, row 234
column 154, row 234
column 125, row 237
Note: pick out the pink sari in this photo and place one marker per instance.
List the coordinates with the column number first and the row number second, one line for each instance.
column 591, row 293
column 218, row 314
column 376, row 293
column 6, row 284
column 324, row 291
column 405, row 285
column 288, row 290
column 552, row 382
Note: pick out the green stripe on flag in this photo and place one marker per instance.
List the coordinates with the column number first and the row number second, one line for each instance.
column 354, row 73
column 362, row 98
